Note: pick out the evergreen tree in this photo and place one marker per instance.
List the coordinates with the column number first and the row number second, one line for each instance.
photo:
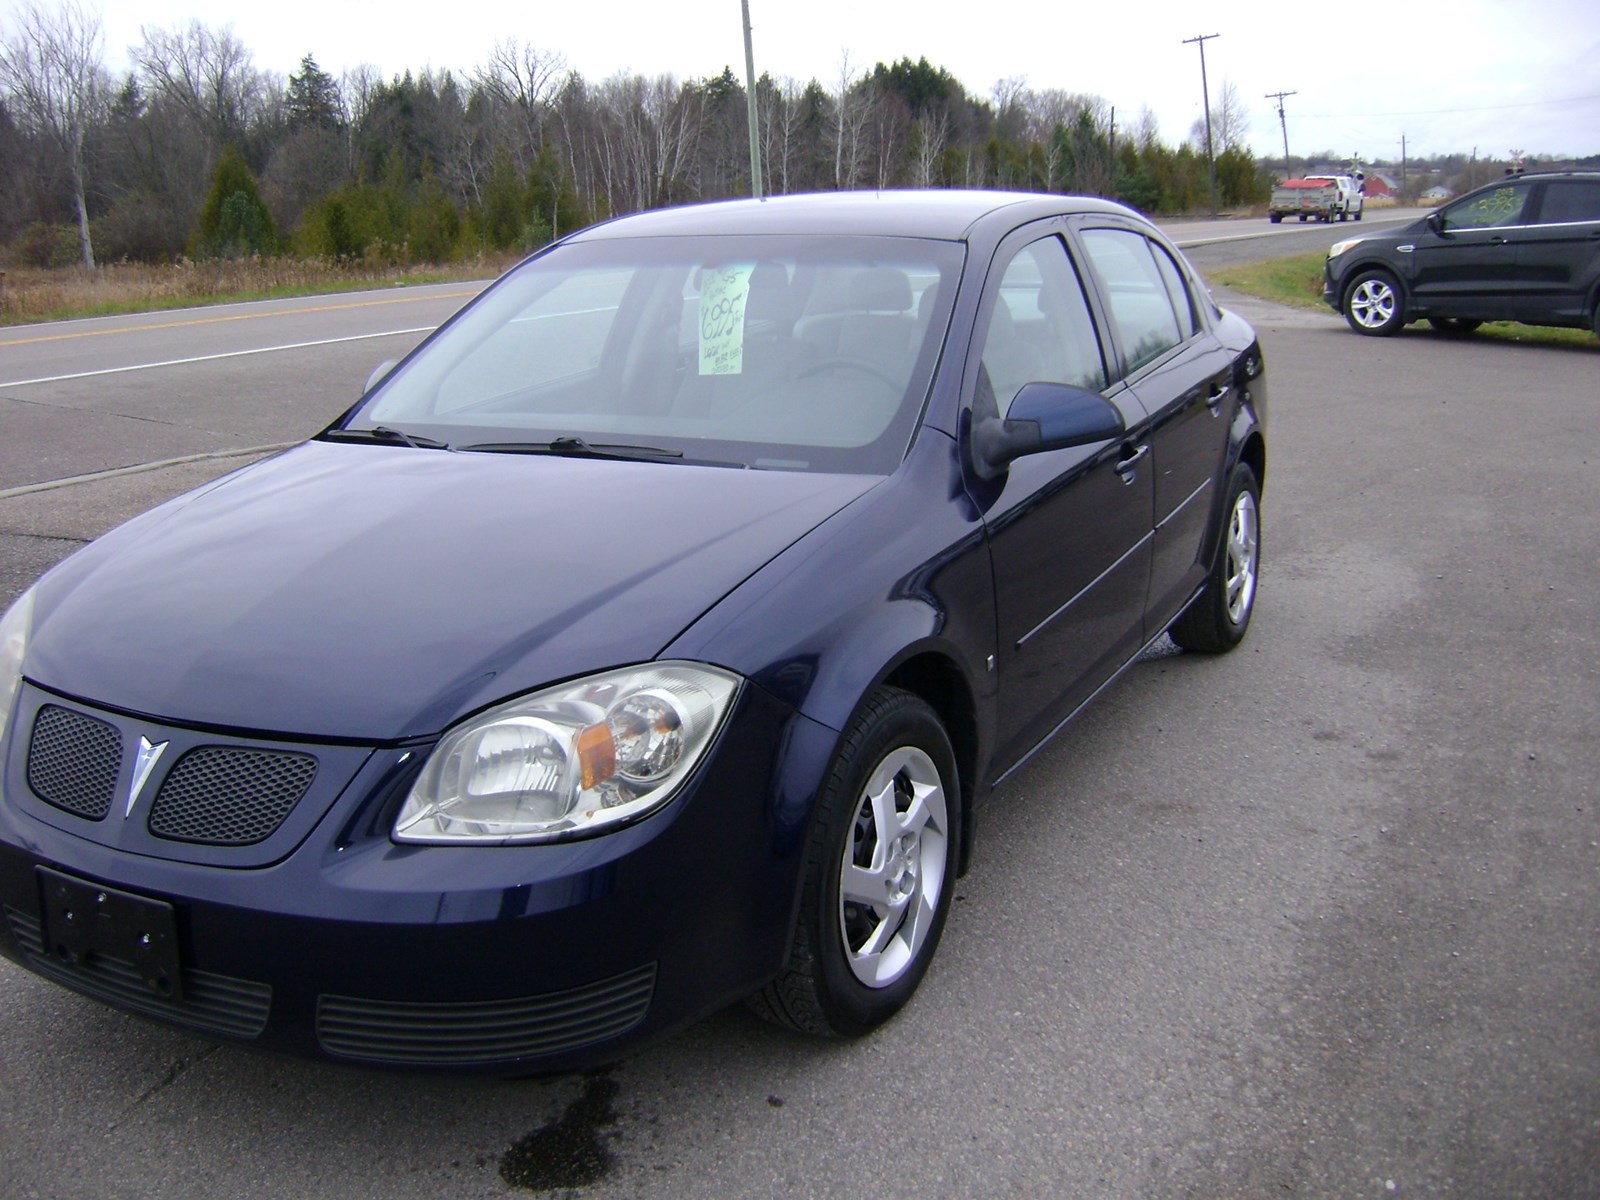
column 435, row 226
column 233, row 219
column 313, row 101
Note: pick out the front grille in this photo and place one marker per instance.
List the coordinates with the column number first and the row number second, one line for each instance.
column 73, row 761
column 217, row 1004
column 486, row 1031
column 227, row 796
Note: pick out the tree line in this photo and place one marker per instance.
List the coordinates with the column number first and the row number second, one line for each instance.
column 197, row 153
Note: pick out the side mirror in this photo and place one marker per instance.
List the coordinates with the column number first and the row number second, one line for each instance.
column 1435, row 222
column 379, row 372
column 1044, row 416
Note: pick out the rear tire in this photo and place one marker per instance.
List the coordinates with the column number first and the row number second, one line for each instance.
column 1218, row 618
column 879, row 872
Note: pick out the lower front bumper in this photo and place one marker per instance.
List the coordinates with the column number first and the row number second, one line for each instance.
column 515, row 959
column 1330, row 294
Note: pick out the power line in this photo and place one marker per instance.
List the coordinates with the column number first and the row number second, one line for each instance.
column 1437, row 112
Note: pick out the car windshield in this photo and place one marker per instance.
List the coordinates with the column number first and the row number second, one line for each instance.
column 795, row 353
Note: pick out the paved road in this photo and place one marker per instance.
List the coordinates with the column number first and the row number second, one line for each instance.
column 79, row 397
column 1317, row 919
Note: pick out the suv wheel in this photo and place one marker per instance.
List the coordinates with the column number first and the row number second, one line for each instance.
column 1372, row 304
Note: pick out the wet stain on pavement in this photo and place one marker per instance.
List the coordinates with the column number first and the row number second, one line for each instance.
column 570, row 1152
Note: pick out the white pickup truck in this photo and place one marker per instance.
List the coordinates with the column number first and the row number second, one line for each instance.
column 1324, row 197
column 1352, row 193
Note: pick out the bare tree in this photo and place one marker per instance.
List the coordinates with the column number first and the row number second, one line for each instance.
column 645, row 134
column 928, row 137
column 522, row 82
column 52, row 66
column 207, row 73
column 1011, row 107
column 851, row 111
column 1148, row 128
column 791, row 115
column 1230, row 121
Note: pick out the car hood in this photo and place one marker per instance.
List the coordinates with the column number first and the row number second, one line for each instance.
column 375, row 593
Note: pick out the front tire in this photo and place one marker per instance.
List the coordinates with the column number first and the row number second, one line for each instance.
column 1373, row 305
column 1218, row 618
column 880, row 869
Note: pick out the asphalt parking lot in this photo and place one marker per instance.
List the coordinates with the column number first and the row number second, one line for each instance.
column 1317, row 919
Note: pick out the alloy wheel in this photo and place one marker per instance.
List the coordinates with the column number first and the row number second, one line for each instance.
column 892, row 875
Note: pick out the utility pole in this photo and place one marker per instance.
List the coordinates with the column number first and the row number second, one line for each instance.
column 750, row 104
column 1205, row 98
column 1113, row 151
column 1284, row 125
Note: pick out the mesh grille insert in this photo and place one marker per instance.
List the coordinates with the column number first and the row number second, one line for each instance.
column 73, row 761
column 227, row 796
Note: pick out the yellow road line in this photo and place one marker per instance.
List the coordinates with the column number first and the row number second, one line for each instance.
column 287, row 312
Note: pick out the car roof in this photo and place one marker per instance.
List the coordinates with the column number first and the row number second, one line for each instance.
column 946, row 214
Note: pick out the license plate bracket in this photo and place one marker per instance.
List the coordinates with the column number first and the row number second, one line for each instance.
column 83, row 919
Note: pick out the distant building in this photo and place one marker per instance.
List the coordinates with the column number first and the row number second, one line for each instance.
column 1437, row 194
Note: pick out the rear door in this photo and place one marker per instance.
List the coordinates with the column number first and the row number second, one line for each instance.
column 1183, row 378
column 1558, row 255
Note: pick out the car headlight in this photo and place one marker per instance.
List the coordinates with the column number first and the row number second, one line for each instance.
column 1339, row 248
column 14, row 628
column 569, row 761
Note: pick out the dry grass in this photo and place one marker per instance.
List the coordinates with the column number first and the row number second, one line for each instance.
column 30, row 294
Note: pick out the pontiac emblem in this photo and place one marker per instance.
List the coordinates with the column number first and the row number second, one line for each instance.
column 145, row 762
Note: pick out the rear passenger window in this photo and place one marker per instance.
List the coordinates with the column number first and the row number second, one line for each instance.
column 1570, row 200
column 1141, row 297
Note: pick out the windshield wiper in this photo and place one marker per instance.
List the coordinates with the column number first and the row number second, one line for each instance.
column 382, row 433
column 576, row 447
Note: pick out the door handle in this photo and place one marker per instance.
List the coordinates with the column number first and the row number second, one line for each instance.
column 1215, row 399
column 1125, row 466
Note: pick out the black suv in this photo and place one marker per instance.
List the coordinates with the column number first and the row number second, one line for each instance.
column 1523, row 248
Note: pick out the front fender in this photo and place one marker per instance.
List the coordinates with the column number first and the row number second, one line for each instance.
column 886, row 579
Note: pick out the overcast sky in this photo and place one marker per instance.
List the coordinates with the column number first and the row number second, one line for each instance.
column 1494, row 75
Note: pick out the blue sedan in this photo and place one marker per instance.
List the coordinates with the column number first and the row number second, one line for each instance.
column 647, row 640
